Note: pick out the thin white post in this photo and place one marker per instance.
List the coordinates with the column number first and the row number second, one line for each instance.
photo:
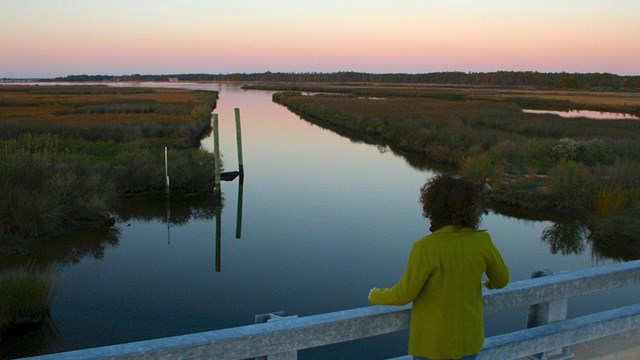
column 166, row 168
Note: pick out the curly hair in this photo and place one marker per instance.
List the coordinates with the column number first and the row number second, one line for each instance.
column 447, row 200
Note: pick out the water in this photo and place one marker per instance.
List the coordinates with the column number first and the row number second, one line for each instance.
column 323, row 219
column 590, row 114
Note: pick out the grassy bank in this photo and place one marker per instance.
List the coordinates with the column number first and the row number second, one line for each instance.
column 583, row 166
column 526, row 98
column 26, row 296
column 68, row 152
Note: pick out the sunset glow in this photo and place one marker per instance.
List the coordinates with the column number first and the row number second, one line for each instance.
column 49, row 39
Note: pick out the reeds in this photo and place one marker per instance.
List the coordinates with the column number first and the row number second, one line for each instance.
column 67, row 153
column 609, row 199
column 532, row 160
column 26, row 296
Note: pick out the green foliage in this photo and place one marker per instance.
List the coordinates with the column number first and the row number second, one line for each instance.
column 571, row 182
column 525, row 192
column 589, row 152
column 520, row 156
column 623, row 173
column 44, row 190
column 533, row 160
column 63, row 166
column 26, row 296
column 623, row 225
column 479, row 168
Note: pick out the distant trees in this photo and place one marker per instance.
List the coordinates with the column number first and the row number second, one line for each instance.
column 498, row 78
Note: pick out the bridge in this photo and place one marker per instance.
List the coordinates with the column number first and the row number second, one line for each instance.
column 549, row 335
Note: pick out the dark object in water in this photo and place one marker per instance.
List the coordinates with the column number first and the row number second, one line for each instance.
column 229, row 175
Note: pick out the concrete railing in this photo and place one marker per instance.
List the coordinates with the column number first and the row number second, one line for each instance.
column 282, row 338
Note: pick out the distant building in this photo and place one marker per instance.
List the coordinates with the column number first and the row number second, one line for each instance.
column 173, row 79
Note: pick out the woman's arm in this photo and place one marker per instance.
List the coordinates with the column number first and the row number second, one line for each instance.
column 497, row 271
column 410, row 284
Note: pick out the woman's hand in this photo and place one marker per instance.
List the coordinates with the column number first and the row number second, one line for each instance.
column 370, row 291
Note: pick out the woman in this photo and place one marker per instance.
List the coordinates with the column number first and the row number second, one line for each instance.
column 443, row 277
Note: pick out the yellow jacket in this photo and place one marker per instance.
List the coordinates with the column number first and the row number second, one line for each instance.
column 443, row 278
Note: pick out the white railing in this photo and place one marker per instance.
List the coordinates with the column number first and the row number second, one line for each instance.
column 283, row 337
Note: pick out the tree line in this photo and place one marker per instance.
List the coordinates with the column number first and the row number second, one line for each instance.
column 535, row 79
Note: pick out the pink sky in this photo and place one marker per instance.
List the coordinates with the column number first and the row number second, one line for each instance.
column 49, row 39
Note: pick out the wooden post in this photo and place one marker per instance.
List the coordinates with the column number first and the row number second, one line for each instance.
column 239, row 139
column 216, row 149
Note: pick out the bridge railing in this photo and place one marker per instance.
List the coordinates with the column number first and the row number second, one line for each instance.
column 546, row 296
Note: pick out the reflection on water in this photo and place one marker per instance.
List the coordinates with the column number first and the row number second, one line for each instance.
column 565, row 238
column 318, row 221
column 599, row 115
column 572, row 237
column 182, row 209
column 30, row 341
column 413, row 159
column 239, row 207
column 73, row 249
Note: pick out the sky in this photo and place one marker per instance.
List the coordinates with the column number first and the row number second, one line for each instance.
column 44, row 38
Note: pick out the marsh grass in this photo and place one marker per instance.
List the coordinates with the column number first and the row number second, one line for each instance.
column 608, row 200
column 620, row 226
column 26, row 296
column 450, row 130
column 537, row 161
column 67, row 157
column 103, row 113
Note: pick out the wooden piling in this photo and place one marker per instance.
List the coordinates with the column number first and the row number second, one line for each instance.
column 216, row 149
column 239, row 139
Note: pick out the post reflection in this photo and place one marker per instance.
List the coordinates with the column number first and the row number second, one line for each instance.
column 572, row 237
column 239, row 210
column 218, row 240
column 218, row 215
column 168, row 220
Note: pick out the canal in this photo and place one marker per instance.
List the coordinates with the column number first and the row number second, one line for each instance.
column 317, row 221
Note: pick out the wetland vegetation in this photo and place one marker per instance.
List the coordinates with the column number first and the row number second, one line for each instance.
column 581, row 166
column 68, row 153
column 536, row 79
column 26, row 296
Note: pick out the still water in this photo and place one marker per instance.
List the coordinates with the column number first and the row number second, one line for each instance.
column 318, row 220
column 590, row 114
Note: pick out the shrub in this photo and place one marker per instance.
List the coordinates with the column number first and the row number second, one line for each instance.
column 596, row 151
column 570, row 183
column 590, row 152
column 479, row 168
column 566, row 150
column 623, row 172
